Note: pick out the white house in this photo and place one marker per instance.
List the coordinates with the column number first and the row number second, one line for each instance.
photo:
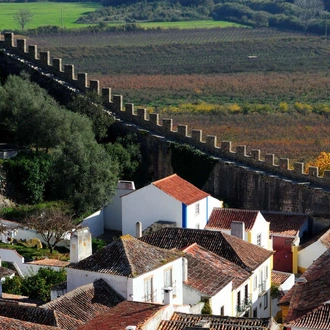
column 249, row 257
column 170, row 199
column 134, row 269
column 248, row 225
column 312, row 249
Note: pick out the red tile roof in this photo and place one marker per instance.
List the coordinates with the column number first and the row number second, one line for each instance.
column 4, row 272
column 288, row 224
column 7, row 323
column 317, row 319
column 180, row 321
column 241, row 253
column 278, row 277
column 303, row 297
column 180, row 189
column 86, row 302
column 221, row 218
column 128, row 257
column 124, row 314
column 208, row 273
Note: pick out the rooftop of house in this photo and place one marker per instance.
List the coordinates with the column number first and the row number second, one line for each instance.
column 317, row 319
column 221, row 218
column 124, row 314
column 128, row 257
column 310, row 291
column 208, row 273
column 86, row 302
column 4, row 272
column 180, row 189
column 180, row 321
column 246, row 255
column 278, row 277
column 287, row 224
column 7, row 323
column 39, row 316
column 10, row 225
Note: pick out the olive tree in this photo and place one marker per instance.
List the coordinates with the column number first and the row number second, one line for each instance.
column 308, row 10
column 23, row 17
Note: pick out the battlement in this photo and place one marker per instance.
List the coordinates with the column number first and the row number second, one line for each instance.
column 164, row 127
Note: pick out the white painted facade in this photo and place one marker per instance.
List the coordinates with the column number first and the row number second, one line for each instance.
column 95, row 223
column 259, row 235
column 134, row 288
column 222, row 299
column 310, row 253
column 260, row 283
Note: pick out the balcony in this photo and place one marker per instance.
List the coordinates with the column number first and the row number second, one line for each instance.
column 262, row 288
column 244, row 305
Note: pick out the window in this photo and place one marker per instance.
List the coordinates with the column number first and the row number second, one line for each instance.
column 255, row 282
column 168, row 277
column 238, row 298
column 246, row 292
column 259, row 239
column 255, row 312
column 148, row 290
column 266, row 272
column 265, row 300
column 196, row 208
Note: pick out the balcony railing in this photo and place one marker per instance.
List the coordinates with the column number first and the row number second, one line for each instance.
column 150, row 297
column 244, row 305
column 262, row 288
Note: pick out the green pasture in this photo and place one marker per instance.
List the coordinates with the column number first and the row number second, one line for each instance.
column 46, row 13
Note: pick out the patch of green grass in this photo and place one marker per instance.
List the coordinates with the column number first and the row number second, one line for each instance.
column 46, row 13
column 30, row 254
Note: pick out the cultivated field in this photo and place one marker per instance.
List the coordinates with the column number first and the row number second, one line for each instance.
column 45, row 13
column 263, row 88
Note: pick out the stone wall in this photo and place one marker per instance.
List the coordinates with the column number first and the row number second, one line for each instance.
column 240, row 179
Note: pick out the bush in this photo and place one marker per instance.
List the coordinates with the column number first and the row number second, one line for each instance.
column 207, row 309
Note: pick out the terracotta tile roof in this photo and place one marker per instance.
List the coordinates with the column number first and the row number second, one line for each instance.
column 278, row 277
column 50, row 262
column 128, row 257
column 124, row 314
column 86, row 302
column 287, row 224
column 317, row 319
column 304, row 297
column 39, row 316
column 5, row 272
column 7, row 323
column 179, row 321
column 241, row 253
column 180, row 189
column 221, row 218
column 208, row 273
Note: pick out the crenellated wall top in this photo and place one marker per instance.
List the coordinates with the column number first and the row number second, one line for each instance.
column 152, row 122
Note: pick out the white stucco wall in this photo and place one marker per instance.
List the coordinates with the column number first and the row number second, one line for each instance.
column 257, row 298
column 212, row 203
column 261, row 226
column 113, row 211
column 95, row 223
column 190, row 295
column 197, row 221
column 222, row 298
column 148, row 205
column 309, row 254
column 77, row 278
column 240, row 289
column 158, row 283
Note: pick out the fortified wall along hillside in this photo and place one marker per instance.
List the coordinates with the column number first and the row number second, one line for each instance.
column 241, row 180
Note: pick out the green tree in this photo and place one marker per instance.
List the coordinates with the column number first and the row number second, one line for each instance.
column 23, row 17
column 12, row 285
column 28, row 173
column 308, row 10
column 84, row 173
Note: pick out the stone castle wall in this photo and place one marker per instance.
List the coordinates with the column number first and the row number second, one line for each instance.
column 241, row 179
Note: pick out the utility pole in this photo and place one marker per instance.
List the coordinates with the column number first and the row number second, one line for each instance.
column 61, row 15
column 326, row 26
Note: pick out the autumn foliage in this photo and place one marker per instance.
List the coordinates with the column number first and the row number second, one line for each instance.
column 322, row 161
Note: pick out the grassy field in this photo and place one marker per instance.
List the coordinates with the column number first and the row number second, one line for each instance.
column 46, row 13
column 277, row 101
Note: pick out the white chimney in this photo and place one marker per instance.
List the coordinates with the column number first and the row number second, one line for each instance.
column 237, row 228
column 80, row 244
column 131, row 327
column 184, row 269
column 138, row 229
column 168, row 296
